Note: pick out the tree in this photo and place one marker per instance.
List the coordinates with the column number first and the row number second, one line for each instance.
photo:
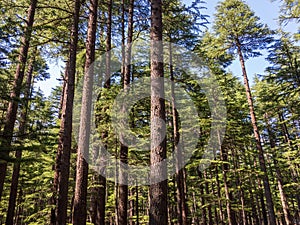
column 123, row 177
column 80, row 199
column 15, row 94
column 239, row 32
column 65, row 134
column 158, row 190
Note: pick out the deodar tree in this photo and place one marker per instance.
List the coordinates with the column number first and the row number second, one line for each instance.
column 239, row 32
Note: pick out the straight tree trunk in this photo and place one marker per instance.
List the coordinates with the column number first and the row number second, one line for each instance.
column 53, row 199
column 181, row 201
column 15, row 93
column 65, row 134
column 22, row 130
column 108, row 44
column 259, row 147
column 228, row 196
column 80, row 199
column 221, row 215
column 123, row 187
column 158, row 191
column 209, row 210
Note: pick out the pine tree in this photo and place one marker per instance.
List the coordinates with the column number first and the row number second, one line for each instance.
column 80, row 199
column 239, row 32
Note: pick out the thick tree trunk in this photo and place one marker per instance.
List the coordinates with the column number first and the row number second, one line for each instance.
column 80, row 199
column 259, row 147
column 11, row 114
column 22, row 130
column 65, row 134
column 158, row 191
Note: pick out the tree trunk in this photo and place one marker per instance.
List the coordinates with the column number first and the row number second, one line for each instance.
column 181, row 201
column 158, row 191
column 65, row 134
column 123, row 187
column 22, row 130
column 221, row 215
column 16, row 90
column 80, row 199
column 261, row 157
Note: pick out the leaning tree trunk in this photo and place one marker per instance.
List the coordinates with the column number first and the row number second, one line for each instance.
column 158, row 191
column 65, row 134
column 22, row 129
column 80, row 199
column 16, row 90
column 123, row 177
column 259, row 147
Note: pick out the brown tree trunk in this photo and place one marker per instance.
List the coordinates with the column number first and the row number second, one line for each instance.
column 123, row 187
column 259, row 147
column 158, row 191
column 181, row 201
column 65, row 134
column 80, row 198
column 22, row 129
column 11, row 114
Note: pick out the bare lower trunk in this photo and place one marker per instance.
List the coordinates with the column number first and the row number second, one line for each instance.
column 80, row 198
column 123, row 187
column 158, row 191
column 65, row 134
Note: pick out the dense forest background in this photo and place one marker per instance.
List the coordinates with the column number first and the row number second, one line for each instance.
column 253, row 176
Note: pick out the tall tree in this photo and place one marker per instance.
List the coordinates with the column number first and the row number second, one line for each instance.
column 22, row 133
column 80, row 199
column 158, row 190
column 123, row 177
column 65, row 134
column 239, row 32
column 11, row 114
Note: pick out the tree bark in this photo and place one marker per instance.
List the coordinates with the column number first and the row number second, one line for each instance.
column 158, row 191
column 181, row 201
column 123, row 187
column 259, row 147
column 65, row 134
column 16, row 90
column 80, row 199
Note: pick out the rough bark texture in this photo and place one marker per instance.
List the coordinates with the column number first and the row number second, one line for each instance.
column 65, row 134
column 259, row 147
column 15, row 94
column 158, row 191
column 80, row 198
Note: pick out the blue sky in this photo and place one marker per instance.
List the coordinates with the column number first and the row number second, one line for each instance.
column 268, row 12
